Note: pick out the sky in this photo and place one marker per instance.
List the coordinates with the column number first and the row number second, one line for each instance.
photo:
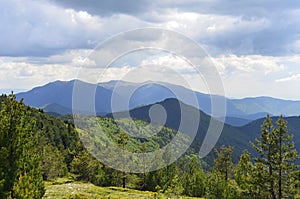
column 254, row 45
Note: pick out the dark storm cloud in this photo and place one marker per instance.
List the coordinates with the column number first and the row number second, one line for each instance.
column 44, row 28
column 273, row 39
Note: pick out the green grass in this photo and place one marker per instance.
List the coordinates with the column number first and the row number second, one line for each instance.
column 67, row 189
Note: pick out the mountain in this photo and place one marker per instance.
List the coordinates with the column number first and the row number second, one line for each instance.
column 246, row 108
column 182, row 117
column 253, row 129
column 56, row 108
column 57, row 96
column 141, row 94
column 235, row 121
column 238, row 137
column 274, row 106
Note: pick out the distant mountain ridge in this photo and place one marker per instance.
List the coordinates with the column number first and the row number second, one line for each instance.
column 238, row 137
column 239, row 111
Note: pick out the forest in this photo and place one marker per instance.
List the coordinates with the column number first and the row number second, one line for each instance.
column 36, row 148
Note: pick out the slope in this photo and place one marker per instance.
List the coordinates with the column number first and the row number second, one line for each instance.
column 175, row 110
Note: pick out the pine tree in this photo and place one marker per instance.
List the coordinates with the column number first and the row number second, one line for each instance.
column 275, row 166
column 285, row 159
column 223, row 162
column 193, row 177
column 243, row 175
column 143, row 150
column 20, row 168
column 122, row 140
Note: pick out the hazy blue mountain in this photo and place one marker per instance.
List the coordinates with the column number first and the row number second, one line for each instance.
column 235, row 121
column 274, row 106
column 141, row 94
column 60, row 94
column 246, row 108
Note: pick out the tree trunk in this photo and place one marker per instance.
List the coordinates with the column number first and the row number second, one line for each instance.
column 280, row 170
column 271, row 175
column 272, row 183
column 124, row 180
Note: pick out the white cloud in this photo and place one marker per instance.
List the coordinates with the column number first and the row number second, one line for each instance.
column 229, row 65
column 24, row 76
column 39, row 28
column 171, row 61
column 252, row 45
column 291, row 78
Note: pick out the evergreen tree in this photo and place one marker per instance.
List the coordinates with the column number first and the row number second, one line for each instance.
column 223, row 162
column 243, row 175
column 122, row 140
column 143, row 150
column 285, row 158
column 53, row 164
column 274, row 168
column 215, row 185
column 20, row 169
column 193, row 176
column 89, row 169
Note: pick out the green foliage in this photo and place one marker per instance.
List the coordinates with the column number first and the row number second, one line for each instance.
column 88, row 169
column 218, row 187
column 243, row 175
column 223, row 162
column 193, row 177
column 274, row 169
column 20, row 169
column 53, row 164
column 215, row 185
column 35, row 146
column 26, row 187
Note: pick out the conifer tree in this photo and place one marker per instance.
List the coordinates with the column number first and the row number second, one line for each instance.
column 223, row 162
column 20, row 168
column 275, row 165
column 243, row 175
column 122, row 140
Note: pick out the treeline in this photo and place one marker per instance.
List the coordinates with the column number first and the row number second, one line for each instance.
column 35, row 147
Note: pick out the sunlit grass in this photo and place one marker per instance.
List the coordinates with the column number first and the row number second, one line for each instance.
column 67, row 189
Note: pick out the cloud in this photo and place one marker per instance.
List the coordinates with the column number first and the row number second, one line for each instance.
column 107, row 8
column 17, row 75
column 230, row 65
column 258, row 75
column 29, row 29
column 39, row 28
column 291, row 78
column 225, row 26
column 254, row 44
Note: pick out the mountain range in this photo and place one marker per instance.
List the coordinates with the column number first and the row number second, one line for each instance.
column 56, row 97
column 238, row 137
column 242, row 123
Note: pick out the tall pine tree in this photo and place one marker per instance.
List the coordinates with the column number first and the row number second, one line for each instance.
column 20, row 169
column 275, row 165
column 223, row 162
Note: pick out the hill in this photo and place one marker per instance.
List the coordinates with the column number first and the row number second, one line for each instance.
column 62, row 153
column 60, row 93
column 176, row 110
column 238, row 137
column 253, row 129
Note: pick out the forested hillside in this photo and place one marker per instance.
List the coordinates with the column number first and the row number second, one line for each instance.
column 238, row 137
column 36, row 147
